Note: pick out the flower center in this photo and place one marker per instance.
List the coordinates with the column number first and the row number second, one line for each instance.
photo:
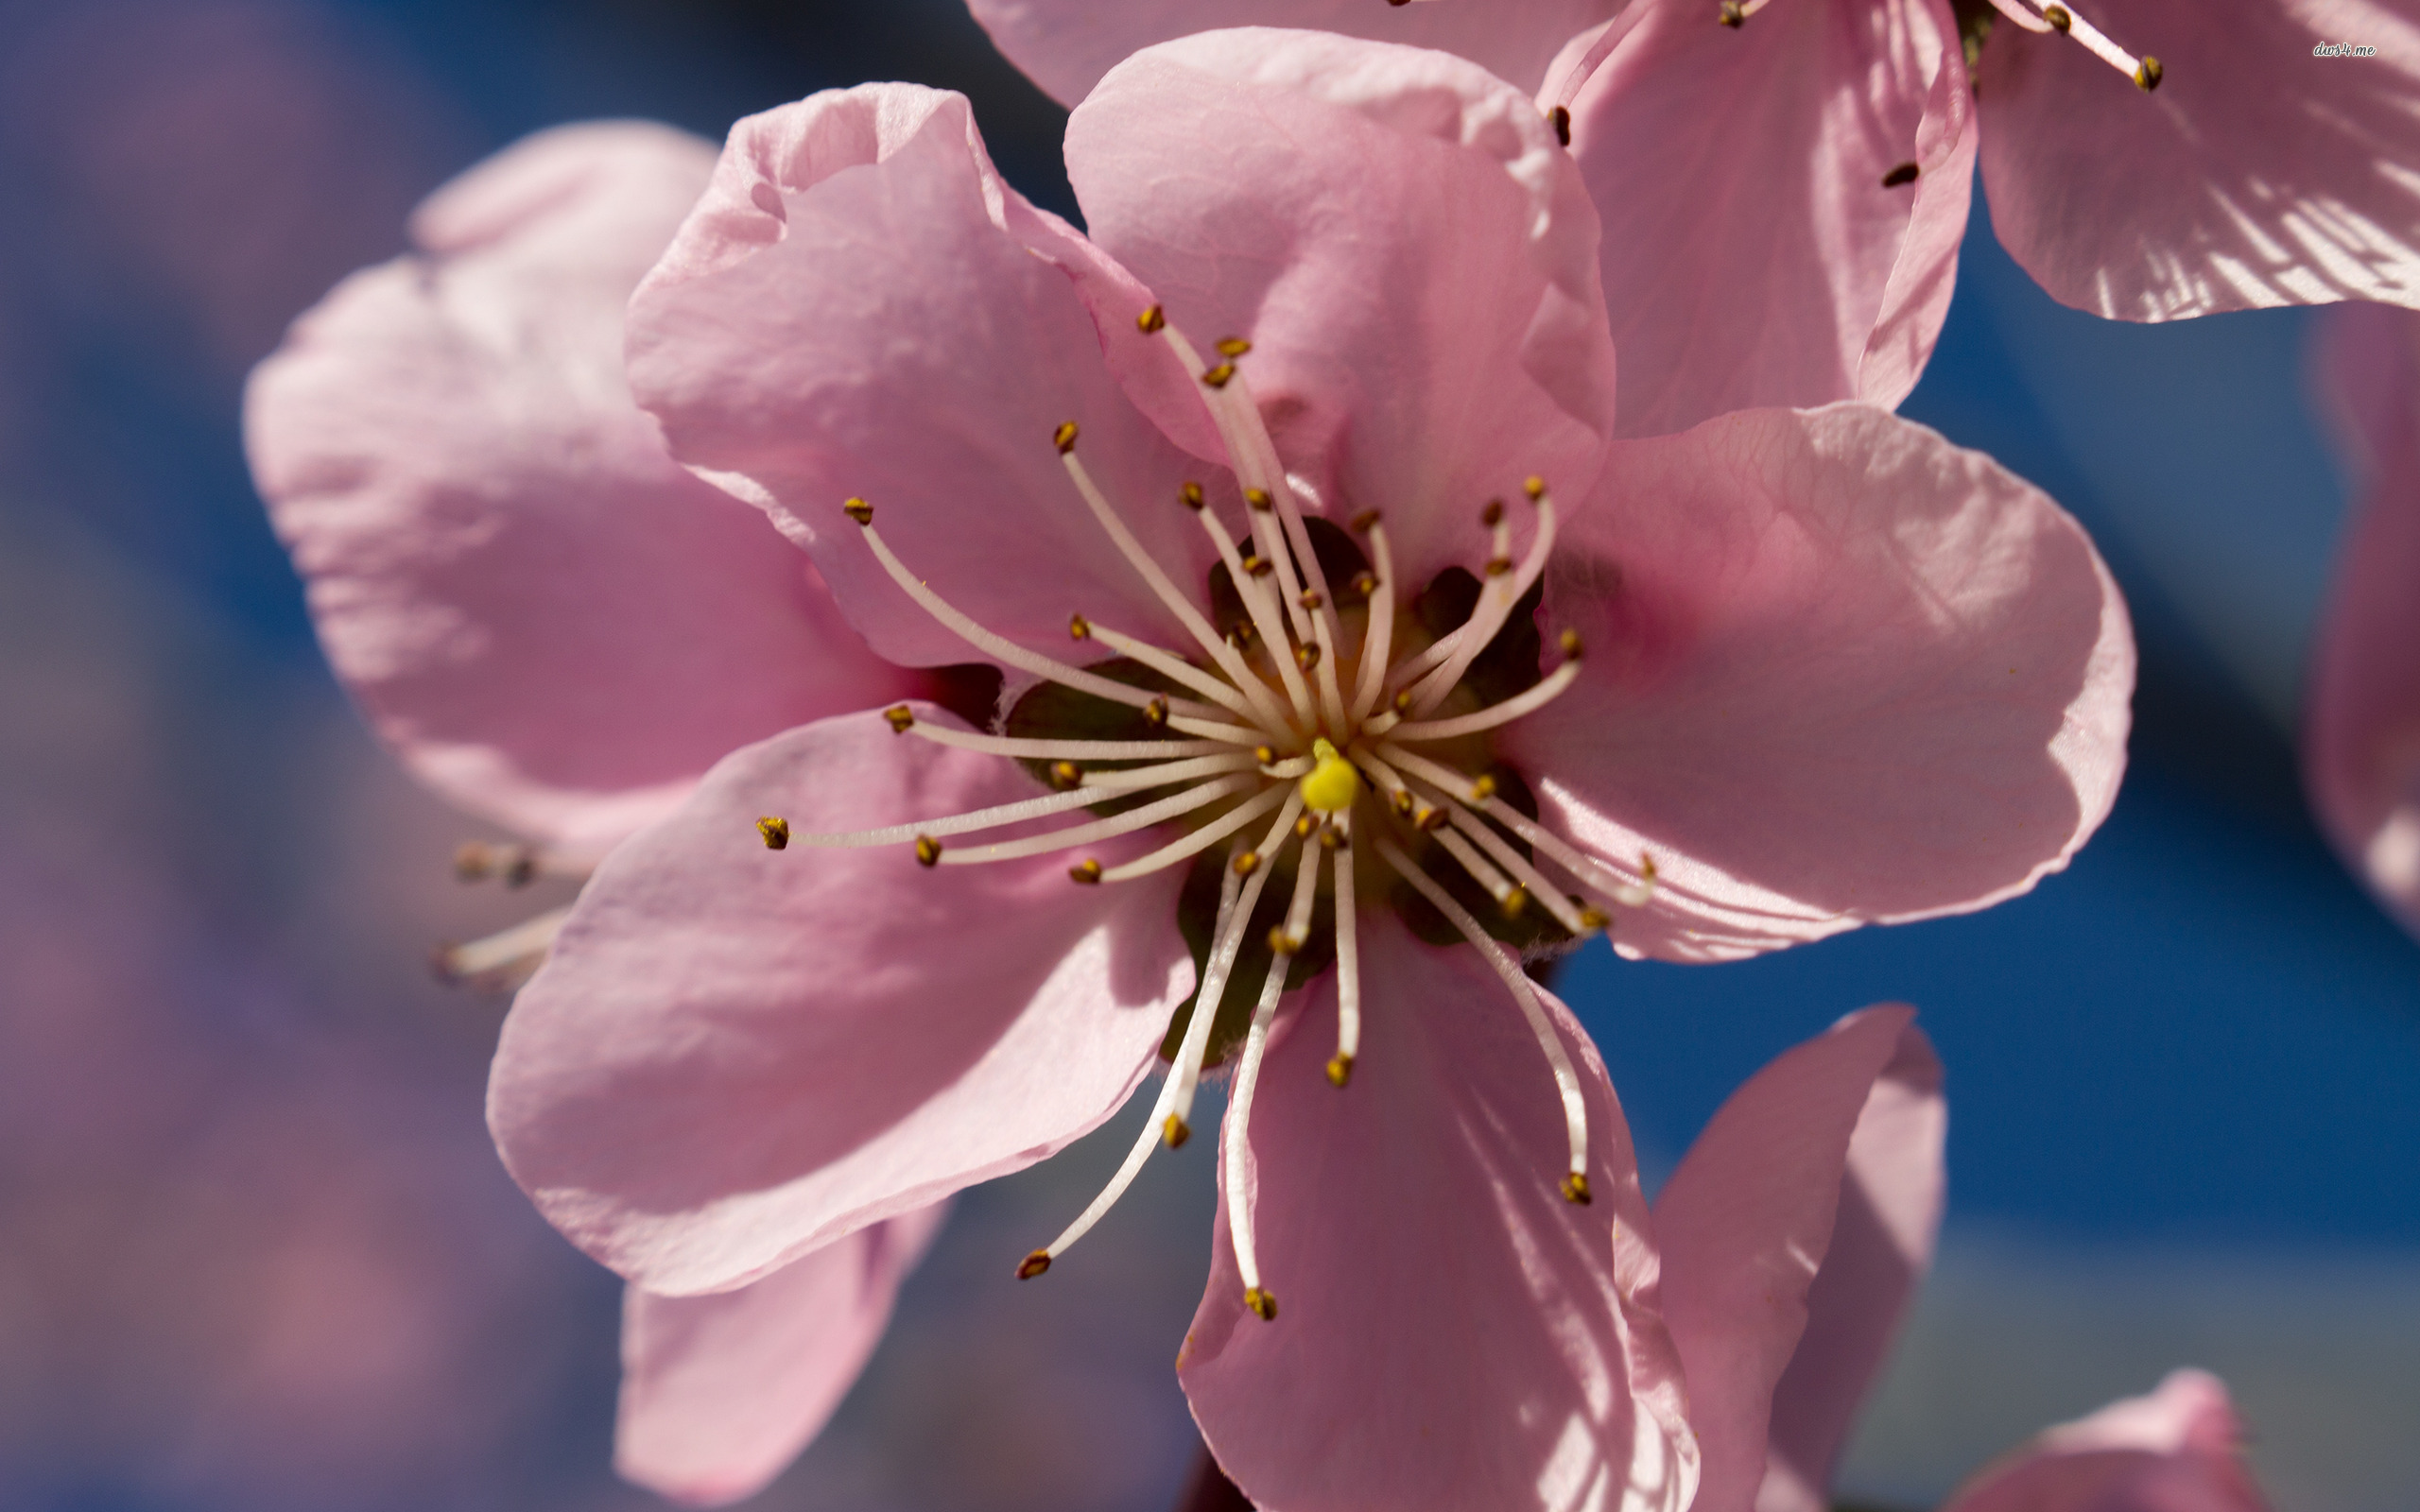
column 1348, row 763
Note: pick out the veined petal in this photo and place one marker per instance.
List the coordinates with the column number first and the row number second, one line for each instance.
column 1760, row 245
column 1450, row 1332
column 2254, row 175
column 1838, row 671
column 1397, row 233
column 735, row 1055
column 2178, row 1447
column 1066, row 46
column 553, row 623
column 719, row 1393
column 1794, row 1234
column 2361, row 734
column 858, row 309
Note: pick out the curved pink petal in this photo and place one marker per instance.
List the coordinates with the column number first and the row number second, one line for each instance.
column 2177, row 1449
column 1793, row 1233
column 719, row 1393
column 1838, row 671
column 735, row 1055
column 1450, row 1332
column 858, row 309
column 1066, row 46
column 2254, row 175
column 2361, row 734
column 1759, row 246
column 555, row 625
column 1399, row 237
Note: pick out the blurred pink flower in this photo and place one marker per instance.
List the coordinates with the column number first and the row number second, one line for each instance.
column 1784, row 194
column 559, row 630
column 1838, row 672
column 2361, row 725
column 1793, row 1235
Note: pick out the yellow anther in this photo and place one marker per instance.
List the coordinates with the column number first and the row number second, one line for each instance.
column 1259, row 500
column 1364, row 584
column 1363, row 521
column 1569, row 641
column 1430, row 820
column 1575, row 1189
column 928, row 850
column 1594, row 917
column 1403, row 701
column 1493, row 515
column 1064, row 436
column 1731, row 15
column 858, row 510
column 1259, row 566
column 1535, row 486
column 1241, row 633
column 1403, row 801
column 1262, row 1303
column 1307, row 656
column 1308, row 823
column 1330, row 786
column 1309, row 598
column 902, row 718
column 1281, row 943
column 1499, row 566
column 1233, row 347
column 1151, row 320
column 1904, row 173
column 2148, row 74
column 1247, row 864
column 1175, row 1131
column 1079, row 627
column 1561, row 120
column 1333, row 838
column 776, row 832
column 1647, row 868
column 1339, row 1069
column 1191, row 494
column 1216, row 377
column 1065, row 775
column 1157, row 711
column 1482, row 788
column 1035, row 1264
column 1266, row 755
column 2058, row 18
column 1086, row 871
column 1516, row 898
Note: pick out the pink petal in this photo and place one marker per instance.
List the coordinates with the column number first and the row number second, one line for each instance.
column 2361, row 735
column 1399, row 237
column 2256, row 174
column 1839, row 671
column 857, row 310
column 555, row 626
column 735, row 1055
column 1450, row 1332
column 719, row 1393
column 1753, row 253
column 2178, row 1450
column 1794, row 1234
column 1066, row 46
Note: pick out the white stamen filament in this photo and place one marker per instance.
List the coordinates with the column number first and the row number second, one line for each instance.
column 523, row 944
column 1566, row 1080
column 1377, row 633
column 1496, row 886
column 1348, row 964
column 1264, row 620
column 2145, row 72
column 1131, row 778
column 1066, row 750
column 1493, row 609
column 1185, row 1077
column 1534, row 882
column 1298, row 908
column 1144, row 817
column 1235, row 699
column 1032, row 808
column 1540, row 694
column 1234, row 1136
column 1587, row 870
column 1199, row 840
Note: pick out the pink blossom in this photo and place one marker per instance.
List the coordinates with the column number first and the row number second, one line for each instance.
column 559, row 629
column 2361, row 734
column 1793, row 1235
column 1800, row 671
column 1783, row 193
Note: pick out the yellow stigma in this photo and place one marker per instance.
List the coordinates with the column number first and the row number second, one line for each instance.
column 1332, row 785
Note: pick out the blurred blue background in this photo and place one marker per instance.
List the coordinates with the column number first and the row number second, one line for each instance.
column 258, row 1254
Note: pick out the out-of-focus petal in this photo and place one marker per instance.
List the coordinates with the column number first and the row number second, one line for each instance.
column 554, row 624
column 735, row 1054
column 1760, row 245
column 1066, row 46
column 1399, row 237
column 2361, row 734
column 720, row 1392
column 1838, row 671
column 2178, row 1450
column 2254, row 175
column 1450, row 1332
column 1793, row 1233
column 858, row 309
